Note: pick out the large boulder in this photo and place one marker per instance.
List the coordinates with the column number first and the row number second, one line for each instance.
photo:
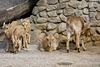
column 10, row 9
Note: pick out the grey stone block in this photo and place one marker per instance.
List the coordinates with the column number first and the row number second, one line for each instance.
column 54, row 20
column 98, row 16
column 93, row 4
column 85, row 11
column 35, row 11
column 73, row 4
column 68, row 11
column 51, row 7
column 51, row 26
column 62, row 17
column 61, row 27
column 41, row 8
column 52, row 2
column 59, row 11
column 41, row 20
column 61, row 5
column 43, row 14
column 42, row 3
column 42, row 26
column 82, row 4
column 98, row 8
column 52, row 14
column 92, row 9
column 92, row 14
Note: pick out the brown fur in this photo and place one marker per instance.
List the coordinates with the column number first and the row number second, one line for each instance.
column 48, row 43
column 27, row 26
column 75, row 26
column 16, row 32
column 8, row 30
column 18, row 35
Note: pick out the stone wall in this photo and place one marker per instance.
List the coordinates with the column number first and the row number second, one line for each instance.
column 50, row 14
column 48, row 9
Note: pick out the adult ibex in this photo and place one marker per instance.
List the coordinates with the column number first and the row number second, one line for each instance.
column 76, row 26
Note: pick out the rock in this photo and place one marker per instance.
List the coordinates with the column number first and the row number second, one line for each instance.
column 52, row 2
column 98, row 16
column 51, row 26
column 68, row 11
column 82, row 4
column 43, row 14
column 52, row 14
column 67, row 5
column 73, row 4
column 93, row 4
column 61, row 27
column 63, row 1
column 51, row 7
column 92, row 14
column 59, row 12
column 61, row 5
column 92, row 9
column 62, row 17
column 93, row 19
column 41, row 8
column 54, row 19
column 41, row 20
column 98, row 8
column 42, row 3
column 85, row 11
column 78, row 12
column 42, row 26
column 35, row 11
column 53, row 31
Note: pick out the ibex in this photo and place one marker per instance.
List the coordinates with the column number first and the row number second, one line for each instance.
column 76, row 26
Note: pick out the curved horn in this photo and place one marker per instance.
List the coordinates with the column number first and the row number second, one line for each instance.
column 44, row 31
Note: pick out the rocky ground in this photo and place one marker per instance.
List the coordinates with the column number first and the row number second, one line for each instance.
column 35, row 58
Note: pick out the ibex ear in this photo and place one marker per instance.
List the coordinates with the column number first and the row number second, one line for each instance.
column 21, row 20
column 4, row 25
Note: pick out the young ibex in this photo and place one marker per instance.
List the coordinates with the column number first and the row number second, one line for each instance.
column 18, row 34
column 8, row 30
column 48, row 43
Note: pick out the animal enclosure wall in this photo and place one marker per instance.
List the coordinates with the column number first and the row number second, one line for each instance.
column 48, row 9
column 50, row 14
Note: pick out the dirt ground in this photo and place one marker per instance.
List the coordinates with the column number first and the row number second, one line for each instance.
column 34, row 58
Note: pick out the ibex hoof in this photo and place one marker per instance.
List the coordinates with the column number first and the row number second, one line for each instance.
column 67, row 51
column 75, row 49
column 78, row 50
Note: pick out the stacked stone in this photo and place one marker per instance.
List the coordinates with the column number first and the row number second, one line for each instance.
column 51, row 15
